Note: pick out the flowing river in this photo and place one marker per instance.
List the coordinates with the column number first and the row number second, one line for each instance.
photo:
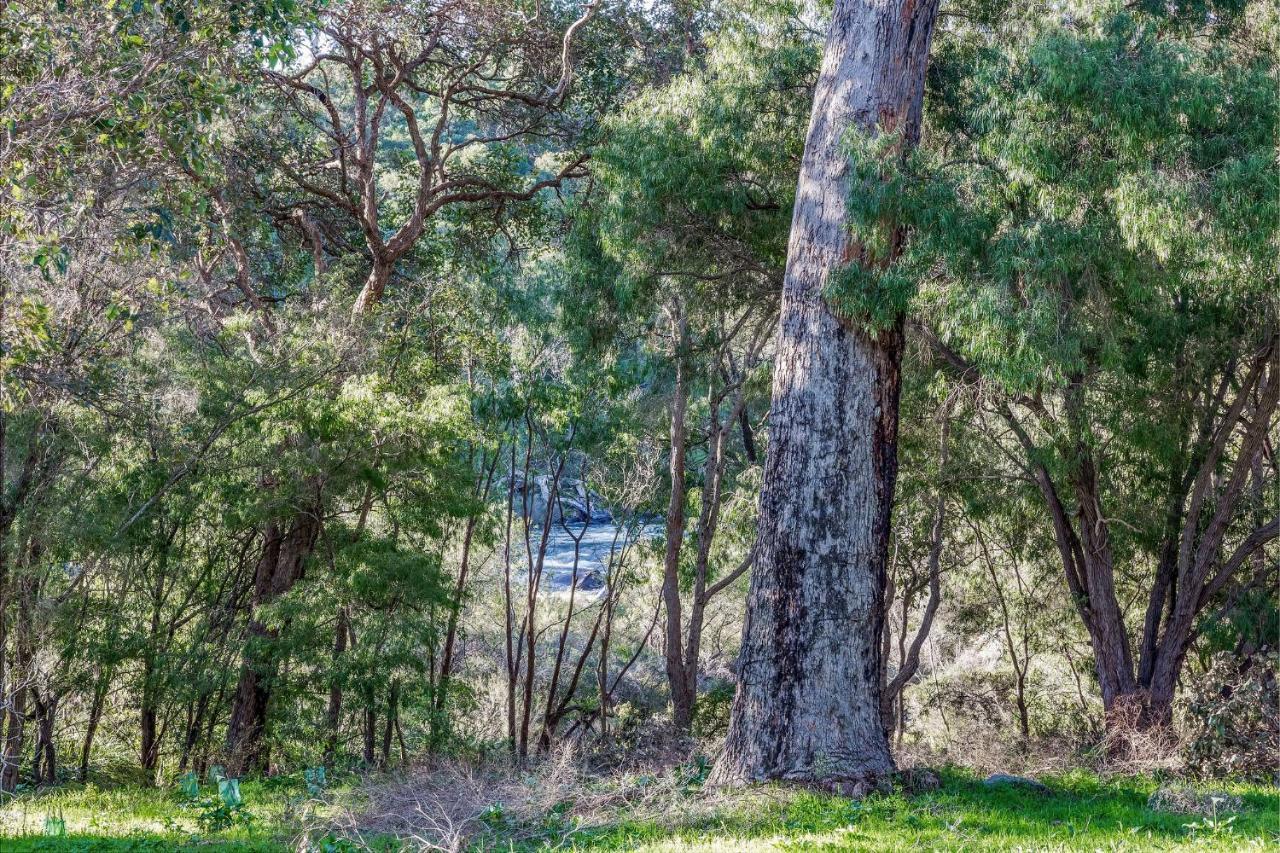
column 596, row 544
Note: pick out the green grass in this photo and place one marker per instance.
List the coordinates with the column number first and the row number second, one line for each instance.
column 1083, row 812
column 145, row 819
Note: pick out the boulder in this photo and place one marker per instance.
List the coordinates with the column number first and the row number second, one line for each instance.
column 919, row 780
column 998, row 779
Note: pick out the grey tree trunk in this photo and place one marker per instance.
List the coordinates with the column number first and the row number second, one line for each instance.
column 807, row 707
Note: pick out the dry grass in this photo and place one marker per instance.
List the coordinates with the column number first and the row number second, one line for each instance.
column 1184, row 799
column 451, row 804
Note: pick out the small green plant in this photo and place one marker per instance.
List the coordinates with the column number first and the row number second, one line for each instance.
column 692, row 774
column 558, row 821
column 215, row 812
column 316, row 781
column 1211, row 824
column 494, row 816
column 55, row 826
column 333, row 844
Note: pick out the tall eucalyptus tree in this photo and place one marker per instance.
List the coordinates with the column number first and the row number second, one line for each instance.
column 809, row 678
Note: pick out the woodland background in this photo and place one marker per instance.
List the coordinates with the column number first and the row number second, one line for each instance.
column 336, row 339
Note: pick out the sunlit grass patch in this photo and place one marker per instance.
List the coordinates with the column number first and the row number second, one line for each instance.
column 88, row 817
column 1081, row 812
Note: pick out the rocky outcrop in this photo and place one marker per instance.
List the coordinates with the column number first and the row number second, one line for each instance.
column 574, row 501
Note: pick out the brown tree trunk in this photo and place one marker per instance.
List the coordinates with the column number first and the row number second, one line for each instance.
column 1111, row 648
column 195, row 722
column 1202, row 569
column 681, row 698
column 333, row 717
column 807, row 707
column 284, row 554
column 370, row 730
column 460, row 589
column 388, row 726
column 91, row 728
column 45, row 760
column 748, row 436
column 147, row 725
column 374, row 286
column 15, row 734
column 148, row 751
column 20, row 686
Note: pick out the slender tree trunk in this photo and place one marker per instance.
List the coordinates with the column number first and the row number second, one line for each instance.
column 509, row 609
column 748, row 436
column 91, row 727
column 45, row 761
column 460, row 589
column 1111, row 648
column 807, row 707
column 195, row 722
column 388, row 726
column 535, row 564
column 909, row 659
column 147, row 726
column 14, row 735
column 147, row 714
column 681, row 698
column 333, row 717
column 1020, row 664
column 20, row 687
column 370, row 729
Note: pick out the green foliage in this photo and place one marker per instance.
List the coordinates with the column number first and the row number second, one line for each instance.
column 1092, row 166
column 220, row 808
column 695, row 180
column 1235, row 724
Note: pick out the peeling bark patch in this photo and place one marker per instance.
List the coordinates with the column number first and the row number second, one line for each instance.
column 807, row 708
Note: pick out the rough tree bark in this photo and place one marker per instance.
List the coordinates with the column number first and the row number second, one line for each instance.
column 1206, row 482
column 284, row 554
column 807, row 707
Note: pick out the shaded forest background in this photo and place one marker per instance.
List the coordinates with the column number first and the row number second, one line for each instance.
column 328, row 328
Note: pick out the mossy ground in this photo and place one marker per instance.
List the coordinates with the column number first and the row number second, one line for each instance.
column 1083, row 812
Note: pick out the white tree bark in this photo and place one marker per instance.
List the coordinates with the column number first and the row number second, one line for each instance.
column 807, row 707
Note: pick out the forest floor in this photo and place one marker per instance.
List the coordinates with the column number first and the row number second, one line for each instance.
column 1081, row 811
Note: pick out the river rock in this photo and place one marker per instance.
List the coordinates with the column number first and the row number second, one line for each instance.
column 997, row 779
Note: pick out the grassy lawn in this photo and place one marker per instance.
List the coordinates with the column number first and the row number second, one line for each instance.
column 139, row 818
column 1081, row 813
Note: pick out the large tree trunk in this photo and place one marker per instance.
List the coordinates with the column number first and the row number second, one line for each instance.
column 1203, row 570
column 808, row 702
column 284, row 554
